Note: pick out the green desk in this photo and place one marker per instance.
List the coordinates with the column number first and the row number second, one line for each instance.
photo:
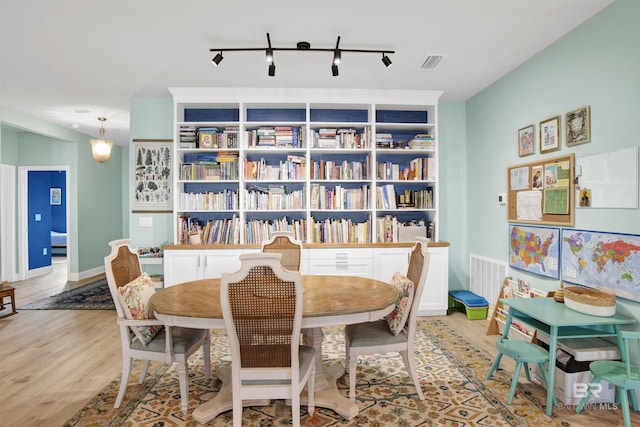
column 559, row 321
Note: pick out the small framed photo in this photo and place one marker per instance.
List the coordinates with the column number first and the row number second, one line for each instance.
column 537, row 177
column 578, row 126
column 526, row 141
column 55, row 196
column 550, row 134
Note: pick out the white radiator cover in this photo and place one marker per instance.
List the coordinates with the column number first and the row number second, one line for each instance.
column 486, row 276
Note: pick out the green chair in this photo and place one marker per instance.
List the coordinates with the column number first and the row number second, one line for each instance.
column 623, row 374
column 523, row 353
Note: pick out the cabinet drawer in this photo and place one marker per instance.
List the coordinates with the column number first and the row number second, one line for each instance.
column 339, row 254
column 360, row 267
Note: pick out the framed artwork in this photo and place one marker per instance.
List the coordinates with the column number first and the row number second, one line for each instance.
column 578, row 126
column 55, row 196
column 152, row 176
column 550, row 134
column 526, row 141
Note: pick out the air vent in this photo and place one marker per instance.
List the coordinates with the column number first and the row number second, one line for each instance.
column 432, row 62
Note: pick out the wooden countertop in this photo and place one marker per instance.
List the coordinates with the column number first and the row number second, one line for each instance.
column 306, row 246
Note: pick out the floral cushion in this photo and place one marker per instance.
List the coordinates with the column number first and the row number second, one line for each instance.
column 134, row 297
column 398, row 317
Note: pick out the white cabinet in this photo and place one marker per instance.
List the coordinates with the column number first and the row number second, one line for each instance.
column 341, row 261
column 390, row 260
column 195, row 264
column 436, row 289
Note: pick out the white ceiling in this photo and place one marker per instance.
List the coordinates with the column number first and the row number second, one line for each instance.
column 70, row 61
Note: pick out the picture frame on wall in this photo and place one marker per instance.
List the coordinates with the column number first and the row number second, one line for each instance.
column 578, row 126
column 55, row 196
column 550, row 134
column 152, row 176
column 526, row 141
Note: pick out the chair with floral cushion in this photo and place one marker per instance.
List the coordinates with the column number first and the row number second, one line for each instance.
column 396, row 332
column 143, row 337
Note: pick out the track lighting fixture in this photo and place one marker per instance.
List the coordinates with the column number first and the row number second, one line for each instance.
column 302, row 46
column 101, row 147
column 217, row 59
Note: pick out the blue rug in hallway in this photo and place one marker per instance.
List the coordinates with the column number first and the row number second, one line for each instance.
column 92, row 296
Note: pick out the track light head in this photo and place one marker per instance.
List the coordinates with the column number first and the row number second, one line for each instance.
column 217, row 59
column 334, row 70
column 268, row 54
column 272, row 69
column 337, row 56
column 386, row 61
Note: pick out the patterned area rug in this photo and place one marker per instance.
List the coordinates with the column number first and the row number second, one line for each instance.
column 451, row 371
column 92, row 296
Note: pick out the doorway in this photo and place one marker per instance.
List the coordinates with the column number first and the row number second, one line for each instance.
column 35, row 218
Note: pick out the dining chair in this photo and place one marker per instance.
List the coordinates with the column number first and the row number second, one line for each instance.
column 142, row 336
column 625, row 375
column 391, row 334
column 262, row 310
column 282, row 242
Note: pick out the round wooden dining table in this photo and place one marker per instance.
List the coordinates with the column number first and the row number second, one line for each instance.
column 327, row 301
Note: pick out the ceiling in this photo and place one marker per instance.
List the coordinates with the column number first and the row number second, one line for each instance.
column 71, row 61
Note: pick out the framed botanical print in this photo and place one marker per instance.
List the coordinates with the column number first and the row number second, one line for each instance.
column 578, row 126
column 550, row 134
column 526, row 141
column 152, row 176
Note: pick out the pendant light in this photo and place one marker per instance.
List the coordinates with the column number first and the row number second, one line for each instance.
column 100, row 147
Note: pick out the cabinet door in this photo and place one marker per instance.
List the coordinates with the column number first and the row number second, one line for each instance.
column 436, row 289
column 388, row 261
column 217, row 262
column 182, row 266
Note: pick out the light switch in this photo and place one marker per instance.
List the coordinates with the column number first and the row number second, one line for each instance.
column 145, row 221
column 44, row 251
column 38, row 217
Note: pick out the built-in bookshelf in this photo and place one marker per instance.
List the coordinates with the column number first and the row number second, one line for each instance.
column 331, row 166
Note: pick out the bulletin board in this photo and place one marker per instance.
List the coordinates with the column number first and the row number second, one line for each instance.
column 542, row 192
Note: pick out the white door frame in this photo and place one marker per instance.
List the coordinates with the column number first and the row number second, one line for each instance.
column 8, row 224
column 23, row 205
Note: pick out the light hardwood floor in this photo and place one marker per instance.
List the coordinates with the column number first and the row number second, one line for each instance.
column 53, row 362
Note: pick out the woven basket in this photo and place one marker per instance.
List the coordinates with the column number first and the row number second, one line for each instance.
column 590, row 301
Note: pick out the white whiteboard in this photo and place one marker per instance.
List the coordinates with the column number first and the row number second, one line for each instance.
column 611, row 177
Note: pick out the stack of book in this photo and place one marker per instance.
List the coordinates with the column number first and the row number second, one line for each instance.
column 422, row 141
column 187, row 136
column 326, row 138
column 384, row 140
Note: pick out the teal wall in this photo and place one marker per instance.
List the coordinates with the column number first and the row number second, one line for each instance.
column 597, row 64
column 95, row 190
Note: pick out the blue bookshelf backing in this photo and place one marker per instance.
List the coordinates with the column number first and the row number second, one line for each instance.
column 276, row 114
column 333, row 115
column 211, row 115
column 401, row 116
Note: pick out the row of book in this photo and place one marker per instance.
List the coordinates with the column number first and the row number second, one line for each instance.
column 257, row 231
column 276, row 136
column 416, row 170
column 341, row 138
column 209, row 201
column 208, row 137
column 294, row 167
column 212, row 166
column 221, row 231
column 345, row 170
column 271, row 200
column 338, row 198
column 341, row 231
column 388, row 198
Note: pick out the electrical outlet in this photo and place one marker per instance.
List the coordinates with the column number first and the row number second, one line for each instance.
column 145, row 221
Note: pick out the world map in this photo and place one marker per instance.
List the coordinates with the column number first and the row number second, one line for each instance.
column 535, row 249
column 605, row 261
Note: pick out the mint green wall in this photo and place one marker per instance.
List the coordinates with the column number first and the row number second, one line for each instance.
column 151, row 118
column 597, row 64
column 452, row 158
column 95, row 189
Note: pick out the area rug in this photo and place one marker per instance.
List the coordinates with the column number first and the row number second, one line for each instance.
column 451, row 372
column 92, row 296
